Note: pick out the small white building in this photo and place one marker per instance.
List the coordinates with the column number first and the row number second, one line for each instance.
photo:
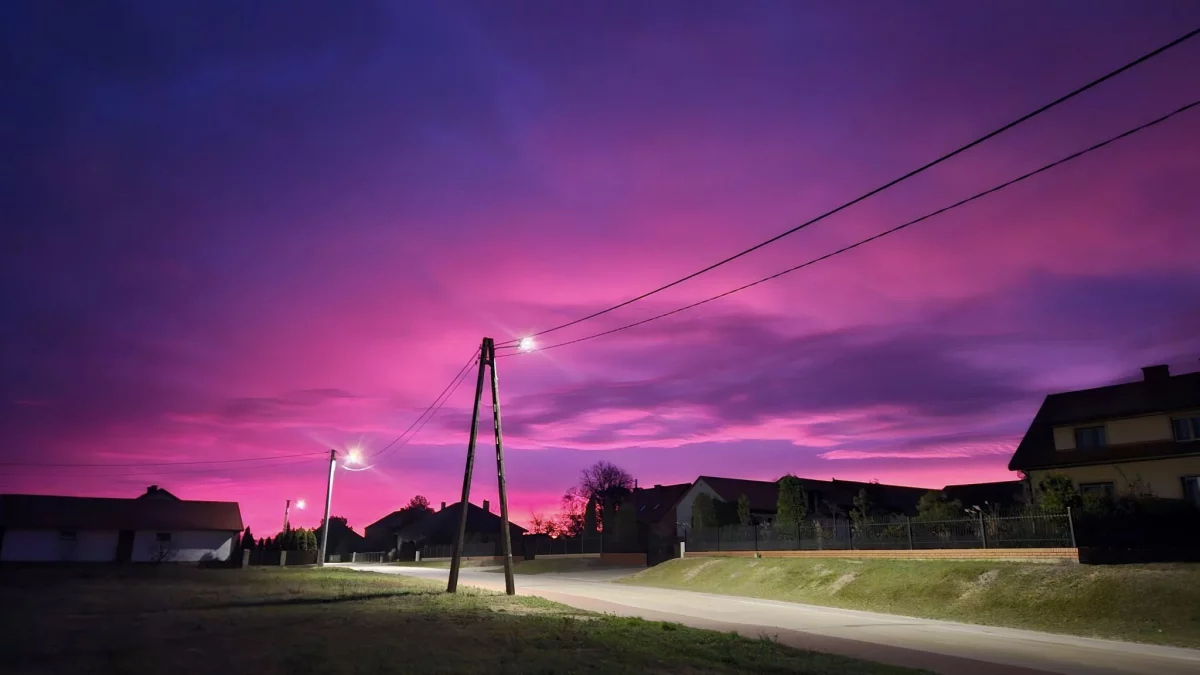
column 155, row 527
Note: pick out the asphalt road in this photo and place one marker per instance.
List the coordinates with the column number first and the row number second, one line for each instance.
column 939, row 646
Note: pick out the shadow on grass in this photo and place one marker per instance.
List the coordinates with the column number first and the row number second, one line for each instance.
column 286, row 602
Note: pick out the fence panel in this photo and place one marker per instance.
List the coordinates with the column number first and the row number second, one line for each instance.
column 1030, row 528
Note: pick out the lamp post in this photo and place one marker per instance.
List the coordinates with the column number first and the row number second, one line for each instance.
column 287, row 507
column 352, row 457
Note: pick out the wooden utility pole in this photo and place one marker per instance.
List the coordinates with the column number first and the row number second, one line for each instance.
column 505, row 539
column 287, row 507
column 328, row 503
column 487, row 359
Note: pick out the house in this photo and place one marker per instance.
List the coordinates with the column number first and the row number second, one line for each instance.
column 656, row 507
column 827, row 501
column 155, row 527
column 381, row 534
column 441, row 528
column 1006, row 493
column 1139, row 437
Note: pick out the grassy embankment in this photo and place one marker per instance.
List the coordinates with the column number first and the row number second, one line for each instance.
column 298, row 621
column 1143, row 603
column 560, row 566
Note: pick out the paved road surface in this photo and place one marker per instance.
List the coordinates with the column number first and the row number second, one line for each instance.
column 939, row 646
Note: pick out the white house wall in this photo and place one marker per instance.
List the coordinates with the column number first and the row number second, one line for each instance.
column 49, row 546
column 185, row 546
column 683, row 511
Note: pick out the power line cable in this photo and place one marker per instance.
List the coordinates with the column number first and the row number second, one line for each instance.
column 844, row 249
column 461, row 378
column 161, row 473
column 201, row 461
column 885, row 186
column 447, row 388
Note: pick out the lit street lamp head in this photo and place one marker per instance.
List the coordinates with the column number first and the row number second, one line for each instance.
column 354, row 457
column 525, row 344
column 299, row 503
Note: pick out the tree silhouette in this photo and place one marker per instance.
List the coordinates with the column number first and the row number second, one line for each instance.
column 791, row 506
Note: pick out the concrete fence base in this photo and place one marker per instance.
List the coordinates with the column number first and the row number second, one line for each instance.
column 623, row 559
column 1012, row 554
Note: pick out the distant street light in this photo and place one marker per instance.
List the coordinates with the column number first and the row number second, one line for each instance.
column 287, row 507
column 526, row 344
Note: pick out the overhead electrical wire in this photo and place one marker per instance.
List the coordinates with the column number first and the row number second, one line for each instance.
column 200, row 461
column 850, row 247
column 881, row 188
column 461, row 378
column 324, row 455
column 446, row 392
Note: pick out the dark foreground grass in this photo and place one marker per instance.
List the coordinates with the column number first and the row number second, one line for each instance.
column 1143, row 603
column 329, row 622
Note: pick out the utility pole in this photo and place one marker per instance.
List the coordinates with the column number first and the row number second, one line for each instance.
column 487, row 359
column 328, row 503
column 286, row 509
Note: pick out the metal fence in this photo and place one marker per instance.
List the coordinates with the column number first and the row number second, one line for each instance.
column 370, row 557
column 1033, row 529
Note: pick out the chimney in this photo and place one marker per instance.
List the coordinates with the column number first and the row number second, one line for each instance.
column 443, row 507
column 152, row 489
column 1159, row 373
column 487, row 507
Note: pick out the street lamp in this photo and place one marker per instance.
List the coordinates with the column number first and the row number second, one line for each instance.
column 287, row 507
column 525, row 344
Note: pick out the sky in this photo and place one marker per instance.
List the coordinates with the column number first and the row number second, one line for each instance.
column 243, row 230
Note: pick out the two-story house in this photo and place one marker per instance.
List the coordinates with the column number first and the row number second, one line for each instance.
column 1139, row 437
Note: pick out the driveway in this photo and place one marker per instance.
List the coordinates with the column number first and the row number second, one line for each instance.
column 939, row 646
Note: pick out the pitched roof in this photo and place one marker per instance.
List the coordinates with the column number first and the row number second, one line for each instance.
column 48, row 512
column 444, row 524
column 395, row 521
column 1130, row 399
column 654, row 504
column 763, row 494
column 977, row 494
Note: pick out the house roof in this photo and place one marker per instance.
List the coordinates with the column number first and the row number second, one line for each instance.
column 444, row 524
column 763, row 494
column 47, row 512
column 394, row 521
column 1131, row 399
column 654, row 504
column 977, row 494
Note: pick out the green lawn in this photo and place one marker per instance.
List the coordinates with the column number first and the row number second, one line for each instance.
column 558, row 566
column 273, row 621
column 1142, row 603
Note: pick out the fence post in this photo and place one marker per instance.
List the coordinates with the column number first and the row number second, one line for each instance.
column 982, row 530
column 797, row 534
column 718, row 537
column 908, row 522
column 850, row 533
column 755, row 528
column 820, row 533
column 1071, row 525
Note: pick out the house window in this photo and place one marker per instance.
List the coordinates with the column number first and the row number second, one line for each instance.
column 1089, row 437
column 163, row 537
column 1186, row 428
column 1099, row 489
column 1191, row 490
column 66, row 535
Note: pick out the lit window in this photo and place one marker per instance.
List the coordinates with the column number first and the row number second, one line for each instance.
column 1099, row 489
column 1186, row 428
column 1089, row 437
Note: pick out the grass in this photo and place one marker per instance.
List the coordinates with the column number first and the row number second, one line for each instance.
column 282, row 621
column 556, row 566
column 1142, row 603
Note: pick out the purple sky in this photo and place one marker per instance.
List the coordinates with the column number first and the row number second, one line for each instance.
column 256, row 229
